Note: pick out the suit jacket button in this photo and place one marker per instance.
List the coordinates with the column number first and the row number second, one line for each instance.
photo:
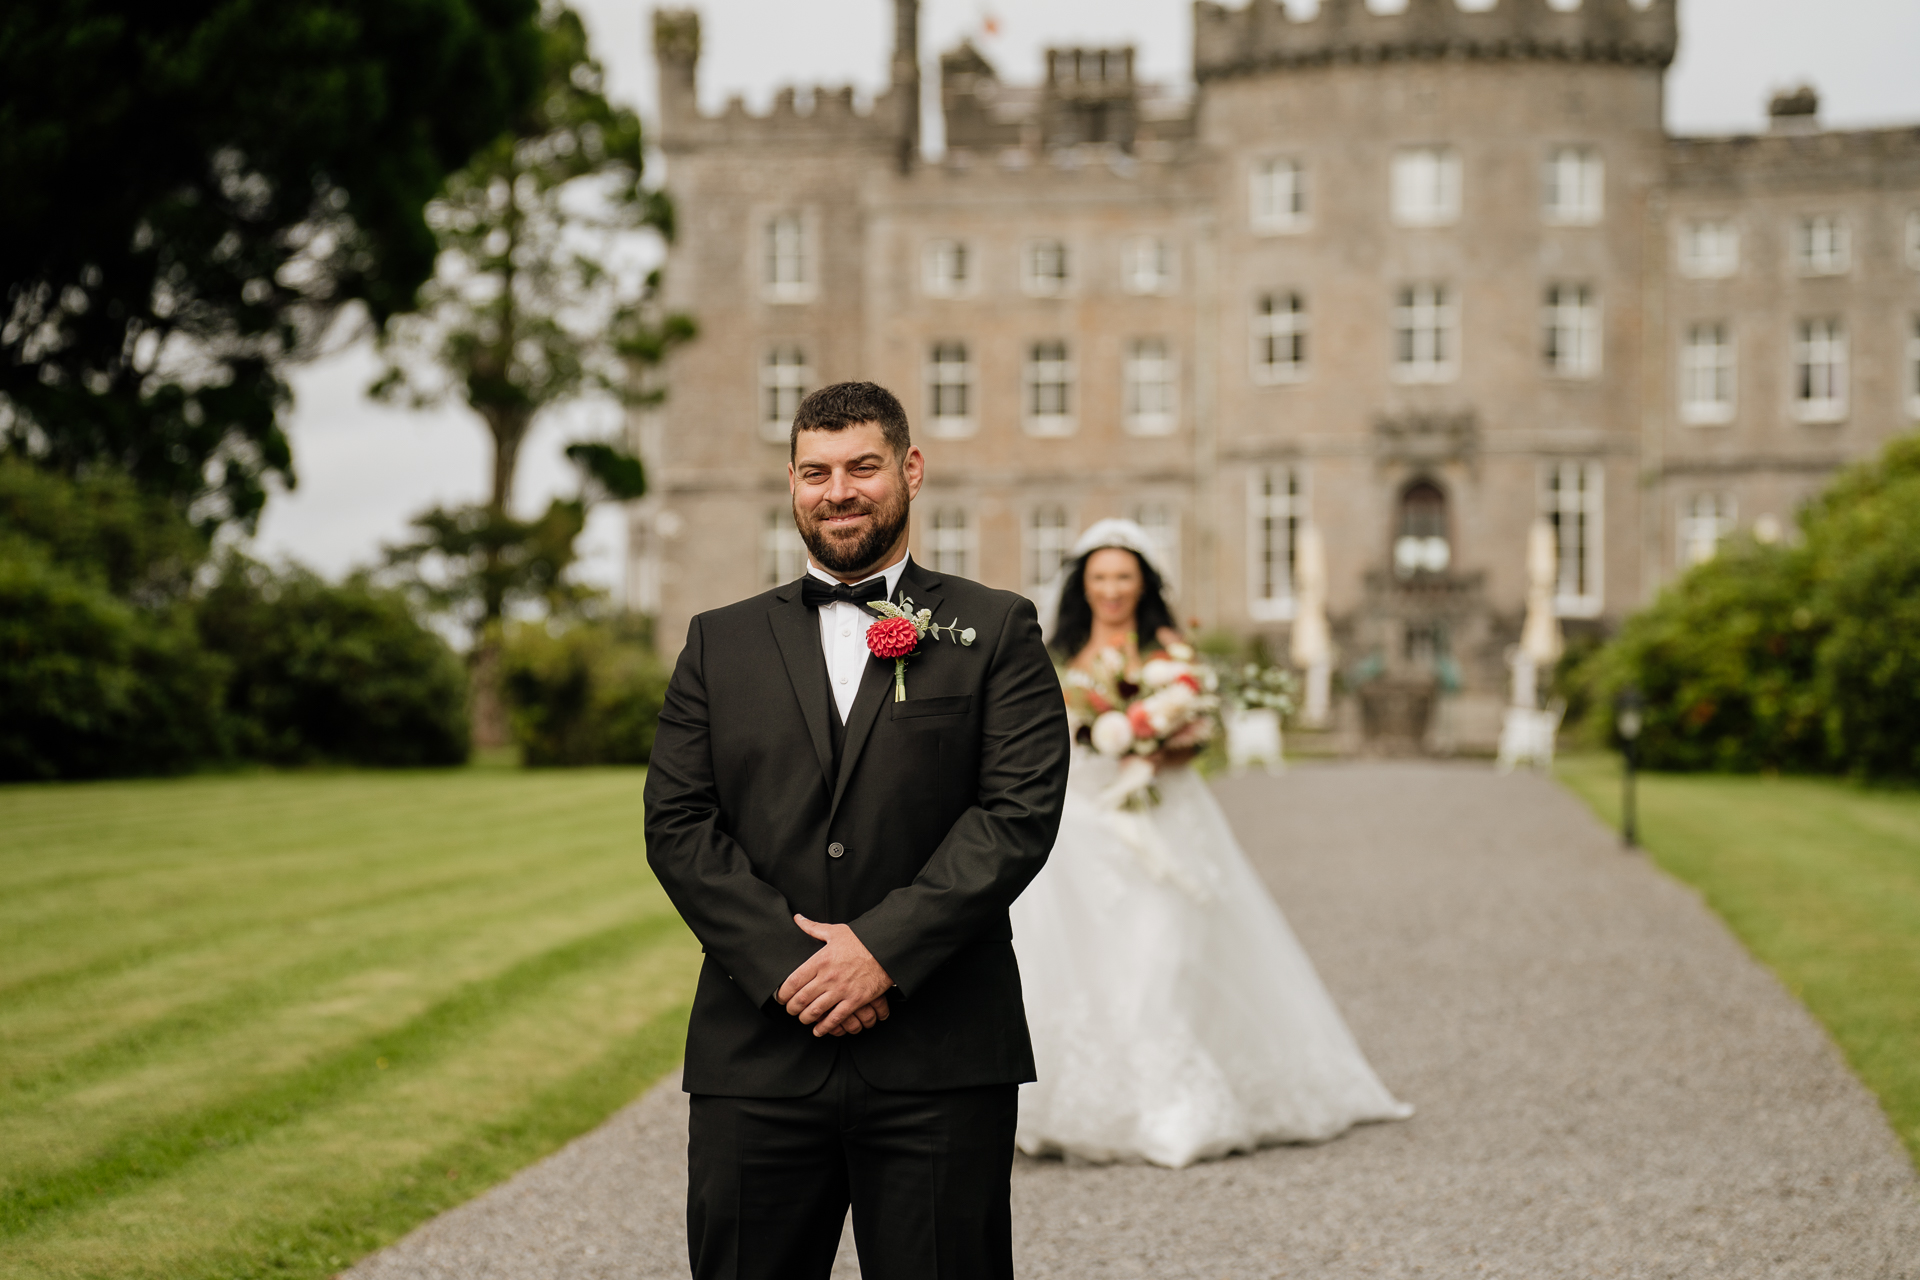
column 836, row 849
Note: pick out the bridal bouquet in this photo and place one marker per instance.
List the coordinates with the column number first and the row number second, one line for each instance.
column 1168, row 705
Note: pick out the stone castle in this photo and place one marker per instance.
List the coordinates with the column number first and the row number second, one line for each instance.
column 1416, row 280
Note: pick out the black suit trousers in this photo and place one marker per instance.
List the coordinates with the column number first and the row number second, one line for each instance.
column 927, row 1175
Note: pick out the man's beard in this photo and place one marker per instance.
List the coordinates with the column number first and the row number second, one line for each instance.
column 849, row 555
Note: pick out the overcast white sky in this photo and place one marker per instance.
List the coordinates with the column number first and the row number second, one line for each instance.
column 365, row 469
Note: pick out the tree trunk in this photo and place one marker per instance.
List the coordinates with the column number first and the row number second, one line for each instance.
column 487, row 703
column 509, row 430
column 489, row 700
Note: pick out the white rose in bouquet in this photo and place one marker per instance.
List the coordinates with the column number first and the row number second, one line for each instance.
column 1112, row 734
column 1169, row 707
column 1161, row 672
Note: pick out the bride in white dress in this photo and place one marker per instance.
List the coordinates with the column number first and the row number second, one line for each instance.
column 1174, row 1015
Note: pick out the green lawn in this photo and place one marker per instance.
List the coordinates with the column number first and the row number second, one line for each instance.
column 259, row 1026
column 1821, row 880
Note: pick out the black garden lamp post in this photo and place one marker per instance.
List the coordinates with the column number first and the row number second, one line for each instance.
column 1627, row 720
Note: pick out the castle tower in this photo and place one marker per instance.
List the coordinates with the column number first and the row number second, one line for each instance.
column 676, row 52
column 905, row 79
column 1432, row 332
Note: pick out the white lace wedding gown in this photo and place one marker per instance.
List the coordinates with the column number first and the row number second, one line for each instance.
column 1174, row 1015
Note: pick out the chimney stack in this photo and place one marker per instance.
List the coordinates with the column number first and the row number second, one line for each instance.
column 1795, row 110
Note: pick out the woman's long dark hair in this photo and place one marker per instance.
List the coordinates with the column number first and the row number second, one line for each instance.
column 1074, row 626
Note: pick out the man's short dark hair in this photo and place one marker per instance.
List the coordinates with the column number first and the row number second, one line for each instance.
column 848, row 404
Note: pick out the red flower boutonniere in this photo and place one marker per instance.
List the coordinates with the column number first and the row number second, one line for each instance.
column 899, row 632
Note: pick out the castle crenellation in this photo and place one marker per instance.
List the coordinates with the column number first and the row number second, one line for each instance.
column 1264, row 35
column 1816, row 160
column 811, row 118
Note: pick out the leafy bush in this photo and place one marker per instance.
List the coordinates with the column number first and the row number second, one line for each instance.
column 101, row 526
column 1724, row 659
column 94, row 686
column 1793, row 658
column 588, row 693
column 324, row 673
column 1864, row 538
column 112, row 662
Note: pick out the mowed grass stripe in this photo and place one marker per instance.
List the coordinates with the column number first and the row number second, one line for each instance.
column 303, row 854
column 221, row 933
column 150, row 1154
column 319, row 1247
column 403, row 941
column 153, row 930
column 204, row 974
column 253, row 1198
column 1820, row 879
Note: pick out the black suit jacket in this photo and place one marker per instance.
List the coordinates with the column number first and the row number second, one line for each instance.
column 944, row 807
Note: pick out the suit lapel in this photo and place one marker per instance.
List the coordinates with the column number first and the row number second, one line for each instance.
column 797, row 630
column 876, row 681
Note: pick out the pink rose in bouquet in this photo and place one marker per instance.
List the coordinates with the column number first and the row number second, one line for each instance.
column 1137, row 716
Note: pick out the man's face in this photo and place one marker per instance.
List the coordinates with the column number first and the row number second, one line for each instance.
column 850, row 498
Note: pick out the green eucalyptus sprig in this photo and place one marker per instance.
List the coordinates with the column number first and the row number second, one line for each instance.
column 886, row 640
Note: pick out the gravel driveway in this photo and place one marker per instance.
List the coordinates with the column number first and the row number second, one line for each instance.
column 1607, row 1086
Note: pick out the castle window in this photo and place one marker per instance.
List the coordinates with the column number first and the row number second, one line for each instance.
column 1707, row 375
column 784, row 382
column 1572, row 325
column 1709, row 249
column 1705, row 521
column 1150, row 389
column 1280, row 338
column 1049, row 390
column 949, row 390
column 1426, row 340
column 1278, row 193
column 1044, row 268
column 1820, row 246
column 1913, row 367
column 1049, row 541
column 1426, row 187
column 1162, row 528
column 783, row 556
column 949, row 269
column 1146, row 265
column 1570, row 499
column 1575, row 186
column 1820, row 371
column 789, row 273
column 1275, row 509
column 950, row 541
column 1422, row 545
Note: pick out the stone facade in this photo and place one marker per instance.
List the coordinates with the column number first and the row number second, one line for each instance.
column 1419, row 279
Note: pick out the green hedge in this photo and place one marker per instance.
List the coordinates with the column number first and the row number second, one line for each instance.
column 588, row 692
column 1864, row 539
column 323, row 673
column 1801, row 657
column 94, row 686
column 120, row 654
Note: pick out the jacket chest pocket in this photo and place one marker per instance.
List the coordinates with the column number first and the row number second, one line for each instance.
column 934, row 739
column 931, row 713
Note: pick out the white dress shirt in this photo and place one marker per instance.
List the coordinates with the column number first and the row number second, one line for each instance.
column 843, row 634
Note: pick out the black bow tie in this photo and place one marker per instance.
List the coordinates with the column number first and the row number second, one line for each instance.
column 816, row 594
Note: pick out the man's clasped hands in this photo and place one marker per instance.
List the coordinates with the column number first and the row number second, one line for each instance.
column 841, row 989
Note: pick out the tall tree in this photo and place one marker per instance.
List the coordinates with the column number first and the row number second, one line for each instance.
column 542, row 295
column 195, row 188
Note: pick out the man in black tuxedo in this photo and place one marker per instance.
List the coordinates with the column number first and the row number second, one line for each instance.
column 846, row 860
